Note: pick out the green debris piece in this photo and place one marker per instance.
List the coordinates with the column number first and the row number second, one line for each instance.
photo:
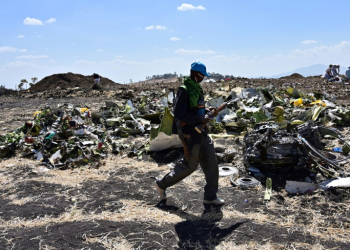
column 216, row 127
column 239, row 113
column 297, row 122
column 35, row 130
column 278, row 99
column 143, row 104
column 260, row 116
column 12, row 137
column 128, row 107
column 130, row 131
column 95, row 152
column 268, row 190
column 167, row 122
column 346, row 150
column 278, row 114
column 124, row 134
column 154, row 132
column 165, row 126
column 111, row 122
column 293, row 93
column 316, row 112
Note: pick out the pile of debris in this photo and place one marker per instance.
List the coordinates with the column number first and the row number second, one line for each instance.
column 282, row 128
column 67, row 135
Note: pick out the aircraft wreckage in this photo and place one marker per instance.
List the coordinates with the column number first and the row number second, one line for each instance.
column 283, row 129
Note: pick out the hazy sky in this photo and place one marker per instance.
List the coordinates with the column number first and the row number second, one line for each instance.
column 124, row 40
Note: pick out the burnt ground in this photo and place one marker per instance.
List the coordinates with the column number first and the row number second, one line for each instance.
column 114, row 206
column 42, row 221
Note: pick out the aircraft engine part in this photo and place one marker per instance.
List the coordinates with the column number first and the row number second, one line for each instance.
column 245, row 182
column 227, row 170
column 269, row 147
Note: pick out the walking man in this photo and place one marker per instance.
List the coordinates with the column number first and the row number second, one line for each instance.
column 189, row 112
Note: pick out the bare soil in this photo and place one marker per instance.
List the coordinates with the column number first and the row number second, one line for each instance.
column 114, row 206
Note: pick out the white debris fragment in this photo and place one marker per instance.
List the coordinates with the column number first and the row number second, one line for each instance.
column 163, row 141
column 294, row 187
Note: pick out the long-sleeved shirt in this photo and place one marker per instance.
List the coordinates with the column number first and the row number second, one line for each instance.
column 185, row 113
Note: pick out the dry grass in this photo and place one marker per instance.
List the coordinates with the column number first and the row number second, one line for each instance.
column 319, row 225
column 117, row 243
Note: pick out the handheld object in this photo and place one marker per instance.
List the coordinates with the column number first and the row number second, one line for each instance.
column 212, row 114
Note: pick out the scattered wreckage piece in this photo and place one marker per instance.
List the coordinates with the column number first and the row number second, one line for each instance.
column 268, row 191
column 340, row 183
column 327, row 163
column 245, row 182
column 294, row 187
column 269, row 147
column 225, row 170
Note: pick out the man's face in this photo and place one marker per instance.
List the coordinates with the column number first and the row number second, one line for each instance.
column 198, row 76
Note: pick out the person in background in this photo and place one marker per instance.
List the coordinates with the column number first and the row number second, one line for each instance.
column 347, row 73
column 335, row 70
column 328, row 74
column 97, row 78
column 189, row 111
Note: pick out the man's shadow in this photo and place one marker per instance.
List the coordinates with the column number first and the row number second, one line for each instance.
column 200, row 232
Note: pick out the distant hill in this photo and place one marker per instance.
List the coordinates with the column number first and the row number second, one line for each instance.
column 313, row 70
column 69, row 80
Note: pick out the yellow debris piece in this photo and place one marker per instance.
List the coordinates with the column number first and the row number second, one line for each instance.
column 82, row 110
column 298, row 102
column 290, row 91
column 36, row 113
column 319, row 103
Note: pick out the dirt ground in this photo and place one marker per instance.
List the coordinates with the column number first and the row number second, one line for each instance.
column 114, row 206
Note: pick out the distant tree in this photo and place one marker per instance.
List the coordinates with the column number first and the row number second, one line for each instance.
column 22, row 82
column 130, row 80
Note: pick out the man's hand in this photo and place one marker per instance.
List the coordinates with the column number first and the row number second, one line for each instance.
column 211, row 109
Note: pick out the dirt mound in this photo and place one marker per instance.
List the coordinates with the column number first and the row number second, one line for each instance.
column 69, row 80
column 293, row 76
column 296, row 75
column 5, row 91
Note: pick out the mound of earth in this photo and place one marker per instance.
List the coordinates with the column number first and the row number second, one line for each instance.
column 5, row 91
column 293, row 76
column 69, row 80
